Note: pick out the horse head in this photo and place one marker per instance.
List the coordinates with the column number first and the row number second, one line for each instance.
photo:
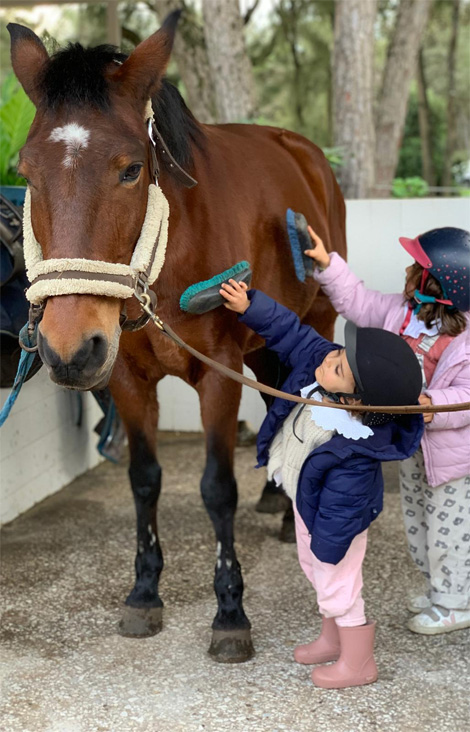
column 88, row 166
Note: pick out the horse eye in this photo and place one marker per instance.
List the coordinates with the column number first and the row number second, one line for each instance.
column 131, row 173
column 22, row 175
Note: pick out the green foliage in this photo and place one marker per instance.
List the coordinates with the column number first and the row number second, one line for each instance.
column 334, row 155
column 292, row 67
column 414, row 187
column 16, row 116
column 291, row 53
column 410, row 159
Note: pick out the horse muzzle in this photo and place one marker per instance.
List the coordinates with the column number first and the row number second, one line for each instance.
column 89, row 367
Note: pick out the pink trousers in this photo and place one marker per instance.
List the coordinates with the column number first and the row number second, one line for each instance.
column 338, row 586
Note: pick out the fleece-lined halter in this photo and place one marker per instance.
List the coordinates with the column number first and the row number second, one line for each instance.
column 78, row 276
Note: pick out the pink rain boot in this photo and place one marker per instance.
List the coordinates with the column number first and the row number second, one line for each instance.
column 325, row 648
column 356, row 665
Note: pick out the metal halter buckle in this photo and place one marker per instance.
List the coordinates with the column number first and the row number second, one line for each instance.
column 34, row 318
column 148, row 300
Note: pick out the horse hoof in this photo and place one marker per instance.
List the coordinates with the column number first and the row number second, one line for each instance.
column 140, row 622
column 272, row 502
column 231, row 646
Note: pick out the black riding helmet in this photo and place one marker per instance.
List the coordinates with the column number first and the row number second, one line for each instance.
column 385, row 369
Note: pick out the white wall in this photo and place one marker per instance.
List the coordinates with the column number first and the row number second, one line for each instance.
column 374, row 253
column 41, row 448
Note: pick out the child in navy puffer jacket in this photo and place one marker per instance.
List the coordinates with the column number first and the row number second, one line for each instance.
column 329, row 462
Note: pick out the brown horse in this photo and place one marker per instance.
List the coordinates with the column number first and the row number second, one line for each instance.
column 88, row 199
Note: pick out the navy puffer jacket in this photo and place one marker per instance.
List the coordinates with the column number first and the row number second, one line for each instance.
column 340, row 489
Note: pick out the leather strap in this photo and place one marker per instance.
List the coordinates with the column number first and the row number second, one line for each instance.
column 73, row 274
column 162, row 149
column 242, row 379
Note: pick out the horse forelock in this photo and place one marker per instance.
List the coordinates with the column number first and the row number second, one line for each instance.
column 75, row 77
column 78, row 77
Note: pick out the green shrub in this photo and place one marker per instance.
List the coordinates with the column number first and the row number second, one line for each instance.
column 16, row 115
column 414, row 187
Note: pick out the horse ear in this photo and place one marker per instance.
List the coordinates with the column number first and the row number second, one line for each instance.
column 28, row 58
column 140, row 75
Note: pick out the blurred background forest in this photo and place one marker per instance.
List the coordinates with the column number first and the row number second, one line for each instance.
column 382, row 86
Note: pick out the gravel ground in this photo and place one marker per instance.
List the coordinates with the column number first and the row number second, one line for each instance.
column 68, row 565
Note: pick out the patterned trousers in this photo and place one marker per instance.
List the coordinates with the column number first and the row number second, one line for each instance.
column 437, row 524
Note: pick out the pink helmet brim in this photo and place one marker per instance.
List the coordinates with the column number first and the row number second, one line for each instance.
column 414, row 248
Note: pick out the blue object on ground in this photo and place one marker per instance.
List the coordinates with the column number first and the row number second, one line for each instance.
column 110, row 428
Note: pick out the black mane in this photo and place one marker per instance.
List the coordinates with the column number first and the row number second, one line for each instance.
column 75, row 77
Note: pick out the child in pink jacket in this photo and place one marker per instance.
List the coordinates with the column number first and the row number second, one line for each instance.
column 432, row 315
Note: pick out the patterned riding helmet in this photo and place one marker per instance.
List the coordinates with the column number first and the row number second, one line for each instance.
column 445, row 253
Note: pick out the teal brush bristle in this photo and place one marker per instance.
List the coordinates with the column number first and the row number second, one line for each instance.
column 189, row 298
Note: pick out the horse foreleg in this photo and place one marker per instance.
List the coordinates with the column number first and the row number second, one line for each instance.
column 137, row 404
column 220, row 398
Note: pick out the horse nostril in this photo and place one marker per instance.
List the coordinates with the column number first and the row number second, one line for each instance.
column 48, row 356
column 91, row 355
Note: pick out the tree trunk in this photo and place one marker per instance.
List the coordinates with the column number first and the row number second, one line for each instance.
column 393, row 101
column 229, row 63
column 289, row 15
column 190, row 54
column 352, row 95
column 429, row 173
column 451, row 143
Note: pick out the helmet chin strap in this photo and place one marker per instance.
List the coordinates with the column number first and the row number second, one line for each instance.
column 335, row 396
column 332, row 396
column 420, row 298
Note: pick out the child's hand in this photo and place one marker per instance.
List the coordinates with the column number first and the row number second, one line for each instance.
column 318, row 253
column 425, row 401
column 235, row 294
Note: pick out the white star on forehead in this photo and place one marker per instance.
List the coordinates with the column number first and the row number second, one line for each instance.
column 75, row 137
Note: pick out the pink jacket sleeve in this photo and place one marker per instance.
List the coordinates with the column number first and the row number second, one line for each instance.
column 457, row 391
column 350, row 298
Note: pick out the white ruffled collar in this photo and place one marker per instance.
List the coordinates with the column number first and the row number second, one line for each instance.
column 336, row 419
column 416, row 327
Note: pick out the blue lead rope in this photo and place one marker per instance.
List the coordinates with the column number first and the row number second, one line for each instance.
column 24, row 365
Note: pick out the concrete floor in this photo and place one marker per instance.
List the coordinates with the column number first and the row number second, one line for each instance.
column 68, row 565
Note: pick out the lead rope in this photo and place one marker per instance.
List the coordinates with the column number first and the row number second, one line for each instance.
column 146, row 304
column 28, row 340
